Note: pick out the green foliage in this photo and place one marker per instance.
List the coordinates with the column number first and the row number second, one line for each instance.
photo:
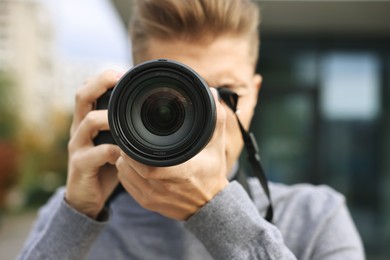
column 8, row 107
column 42, row 160
column 8, row 150
column 44, row 164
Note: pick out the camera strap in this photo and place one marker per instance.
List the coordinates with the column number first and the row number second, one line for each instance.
column 231, row 99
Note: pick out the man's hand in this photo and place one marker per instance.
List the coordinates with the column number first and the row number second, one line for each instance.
column 179, row 191
column 92, row 175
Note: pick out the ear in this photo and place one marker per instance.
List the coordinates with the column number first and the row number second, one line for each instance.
column 256, row 83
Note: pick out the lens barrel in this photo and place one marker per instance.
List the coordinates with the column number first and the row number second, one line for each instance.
column 161, row 113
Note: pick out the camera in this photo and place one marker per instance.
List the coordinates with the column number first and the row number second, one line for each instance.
column 160, row 113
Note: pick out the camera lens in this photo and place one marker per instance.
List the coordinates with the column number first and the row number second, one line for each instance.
column 161, row 113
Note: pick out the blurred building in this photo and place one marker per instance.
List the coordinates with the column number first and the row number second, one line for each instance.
column 33, row 51
column 26, row 55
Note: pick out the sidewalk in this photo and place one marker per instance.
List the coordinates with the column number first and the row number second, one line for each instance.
column 13, row 232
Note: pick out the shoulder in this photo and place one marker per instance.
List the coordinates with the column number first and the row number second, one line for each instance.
column 315, row 195
column 303, row 212
column 311, row 202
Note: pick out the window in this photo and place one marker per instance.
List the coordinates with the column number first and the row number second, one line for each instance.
column 323, row 117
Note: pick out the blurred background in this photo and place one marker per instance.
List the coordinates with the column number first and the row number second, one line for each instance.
column 322, row 117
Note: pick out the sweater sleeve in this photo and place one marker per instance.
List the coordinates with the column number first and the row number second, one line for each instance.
column 60, row 232
column 231, row 227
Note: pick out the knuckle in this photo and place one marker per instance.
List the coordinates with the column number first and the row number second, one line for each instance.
column 120, row 173
column 107, row 76
column 72, row 129
column 91, row 118
column 111, row 152
column 151, row 173
column 119, row 165
column 71, row 145
column 170, row 187
column 80, row 95
column 76, row 159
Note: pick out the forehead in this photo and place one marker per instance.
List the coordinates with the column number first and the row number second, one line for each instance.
column 225, row 59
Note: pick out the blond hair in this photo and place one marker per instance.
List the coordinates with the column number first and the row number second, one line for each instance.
column 199, row 21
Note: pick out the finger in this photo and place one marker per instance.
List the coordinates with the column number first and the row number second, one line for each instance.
column 130, row 179
column 220, row 120
column 95, row 157
column 143, row 170
column 89, row 128
column 87, row 95
column 157, row 173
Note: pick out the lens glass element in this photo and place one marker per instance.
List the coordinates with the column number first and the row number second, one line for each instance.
column 163, row 113
column 160, row 114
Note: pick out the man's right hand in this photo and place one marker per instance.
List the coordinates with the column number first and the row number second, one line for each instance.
column 92, row 175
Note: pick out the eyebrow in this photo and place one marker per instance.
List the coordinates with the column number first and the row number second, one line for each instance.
column 227, row 85
column 233, row 86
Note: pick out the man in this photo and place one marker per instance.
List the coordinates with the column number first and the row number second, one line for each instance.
column 191, row 210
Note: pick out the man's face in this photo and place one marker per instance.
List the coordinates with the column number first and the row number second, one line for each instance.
column 224, row 62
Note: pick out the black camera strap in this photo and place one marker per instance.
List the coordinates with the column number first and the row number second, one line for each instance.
column 230, row 99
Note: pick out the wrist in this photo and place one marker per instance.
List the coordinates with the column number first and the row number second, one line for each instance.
column 90, row 211
column 222, row 184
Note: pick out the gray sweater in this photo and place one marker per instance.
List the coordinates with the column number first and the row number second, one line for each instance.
column 310, row 222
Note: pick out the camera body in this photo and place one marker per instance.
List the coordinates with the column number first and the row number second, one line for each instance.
column 161, row 113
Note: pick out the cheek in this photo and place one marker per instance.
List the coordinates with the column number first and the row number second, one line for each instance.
column 246, row 108
column 233, row 141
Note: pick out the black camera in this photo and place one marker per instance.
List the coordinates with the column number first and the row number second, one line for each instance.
column 161, row 113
